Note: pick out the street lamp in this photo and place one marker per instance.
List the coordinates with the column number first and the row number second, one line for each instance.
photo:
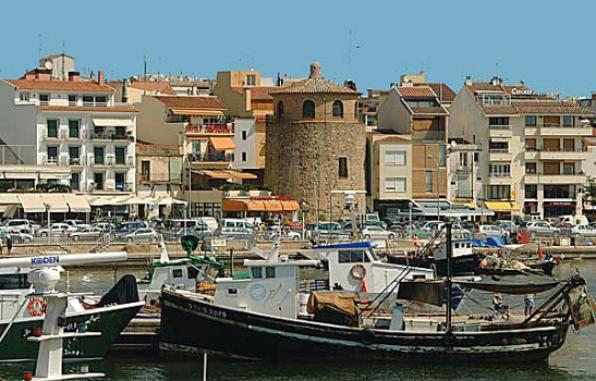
column 304, row 208
column 48, row 207
column 438, row 193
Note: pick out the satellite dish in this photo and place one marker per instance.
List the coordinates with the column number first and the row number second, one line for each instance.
column 48, row 65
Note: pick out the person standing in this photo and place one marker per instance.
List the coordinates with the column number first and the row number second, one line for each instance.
column 9, row 244
column 1, row 246
column 528, row 304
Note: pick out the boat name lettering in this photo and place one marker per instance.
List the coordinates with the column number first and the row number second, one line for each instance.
column 208, row 311
column 45, row 260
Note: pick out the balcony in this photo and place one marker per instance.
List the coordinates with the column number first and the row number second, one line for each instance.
column 560, row 178
column 211, row 160
column 429, row 135
column 499, row 130
column 531, row 154
column 499, row 178
column 76, row 161
column 575, row 154
column 209, row 129
column 122, row 162
column 110, row 135
column 557, row 130
column 499, row 154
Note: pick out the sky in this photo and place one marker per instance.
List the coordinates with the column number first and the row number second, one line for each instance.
column 548, row 44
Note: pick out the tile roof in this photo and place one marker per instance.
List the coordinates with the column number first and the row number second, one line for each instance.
column 123, row 108
column 443, row 91
column 314, row 84
column 32, row 84
column 416, row 92
column 191, row 102
column 258, row 92
column 162, row 87
column 484, row 86
column 550, row 106
column 429, row 110
column 499, row 110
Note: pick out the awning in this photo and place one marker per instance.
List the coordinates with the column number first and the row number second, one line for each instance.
column 57, row 203
column 77, row 203
column 273, row 206
column 228, row 205
column 290, row 206
column 111, row 122
column 171, row 201
column 256, row 206
column 107, row 200
column 502, row 206
column 9, row 198
column 228, row 175
column 195, row 112
column 244, row 175
column 218, row 175
column 222, row 143
column 32, row 203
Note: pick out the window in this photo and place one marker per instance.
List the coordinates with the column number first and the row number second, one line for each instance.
column 530, row 120
column 531, row 191
column 87, row 100
column 442, row 155
column 428, row 177
column 52, row 154
column 177, row 273
column 498, row 121
column 395, row 184
column 24, row 96
column 476, row 157
column 75, row 179
column 74, row 153
column 494, row 146
column 463, row 160
column 269, row 272
column 120, row 131
column 421, row 103
column 531, row 168
column 499, row 192
column 568, row 168
column 44, row 99
column 244, row 135
column 145, row 170
column 120, row 155
column 499, row 170
column 232, row 291
column 559, row 191
column 120, row 180
column 243, row 156
column 308, row 109
column 98, row 180
column 531, row 144
column 251, row 80
column 395, row 157
column 98, row 153
column 280, row 109
column 343, row 167
column 338, row 109
column 568, row 121
column 52, row 128
column 101, row 101
column 352, row 256
column 257, row 272
column 73, row 128
column 72, row 100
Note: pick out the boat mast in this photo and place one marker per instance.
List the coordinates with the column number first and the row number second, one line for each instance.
column 449, row 255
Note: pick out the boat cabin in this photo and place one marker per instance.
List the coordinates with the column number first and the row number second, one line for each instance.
column 272, row 287
column 180, row 274
column 355, row 267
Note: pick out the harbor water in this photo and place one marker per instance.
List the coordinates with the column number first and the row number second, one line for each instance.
column 575, row 361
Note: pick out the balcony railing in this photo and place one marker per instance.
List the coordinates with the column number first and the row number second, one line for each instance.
column 128, row 161
column 124, row 187
column 76, row 160
column 498, row 150
column 110, row 135
column 499, row 126
column 216, row 128
column 499, row 174
column 194, row 158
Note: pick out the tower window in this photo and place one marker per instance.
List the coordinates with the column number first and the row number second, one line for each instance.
column 343, row 167
column 338, row 109
column 308, row 109
column 280, row 109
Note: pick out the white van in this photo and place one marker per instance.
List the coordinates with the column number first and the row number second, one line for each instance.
column 227, row 223
column 209, row 221
column 574, row 220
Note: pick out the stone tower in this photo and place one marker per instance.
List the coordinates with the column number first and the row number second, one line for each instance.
column 316, row 145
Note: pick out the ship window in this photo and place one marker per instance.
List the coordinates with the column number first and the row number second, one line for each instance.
column 193, row 272
column 232, row 291
column 177, row 273
column 352, row 256
column 269, row 272
column 257, row 272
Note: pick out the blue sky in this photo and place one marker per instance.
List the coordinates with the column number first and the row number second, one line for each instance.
column 548, row 44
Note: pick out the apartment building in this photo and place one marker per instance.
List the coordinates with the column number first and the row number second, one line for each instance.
column 246, row 97
column 407, row 154
column 127, row 91
column 72, row 122
column 530, row 147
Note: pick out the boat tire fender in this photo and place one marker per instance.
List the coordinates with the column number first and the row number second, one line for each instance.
column 358, row 272
column 367, row 337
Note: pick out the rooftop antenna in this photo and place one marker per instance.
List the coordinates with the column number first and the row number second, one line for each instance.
column 63, row 68
column 39, row 47
column 144, row 68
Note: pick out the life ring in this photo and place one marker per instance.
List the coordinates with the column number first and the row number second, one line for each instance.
column 36, row 306
column 358, row 272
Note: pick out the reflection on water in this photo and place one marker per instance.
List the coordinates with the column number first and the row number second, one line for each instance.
column 575, row 361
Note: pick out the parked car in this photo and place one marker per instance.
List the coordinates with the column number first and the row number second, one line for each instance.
column 226, row 223
column 573, row 220
column 131, row 226
column 541, row 227
column 293, row 235
column 90, row 233
column 490, row 230
column 237, row 232
column 141, row 235
column 506, row 225
column 19, row 237
column 19, row 226
column 74, row 223
column 104, row 226
column 376, row 232
column 432, row 225
column 56, row 229
column 584, row 229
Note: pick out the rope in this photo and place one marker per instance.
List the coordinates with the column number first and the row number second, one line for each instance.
column 13, row 319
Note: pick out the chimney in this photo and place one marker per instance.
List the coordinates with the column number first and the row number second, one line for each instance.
column 30, row 75
column 496, row 81
column 74, row 76
column 124, row 91
column 43, row 75
column 468, row 81
column 248, row 99
column 315, row 70
column 100, row 78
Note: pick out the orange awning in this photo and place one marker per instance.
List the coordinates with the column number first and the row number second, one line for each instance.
column 218, row 175
column 273, row 206
column 244, row 175
column 255, row 206
column 195, row 112
column 229, row 205
column 222, row 143
column 290, row 206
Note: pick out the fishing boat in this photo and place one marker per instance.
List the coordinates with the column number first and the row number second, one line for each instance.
column 22, row 313
column 264, row 317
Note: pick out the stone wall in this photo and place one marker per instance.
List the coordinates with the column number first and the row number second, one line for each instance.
column 302, row 161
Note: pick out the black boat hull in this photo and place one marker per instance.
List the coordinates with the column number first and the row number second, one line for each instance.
column 464, row 264
column 190, row 325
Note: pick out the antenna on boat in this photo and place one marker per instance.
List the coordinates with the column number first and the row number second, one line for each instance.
column 44, row 278
column 163, row 252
